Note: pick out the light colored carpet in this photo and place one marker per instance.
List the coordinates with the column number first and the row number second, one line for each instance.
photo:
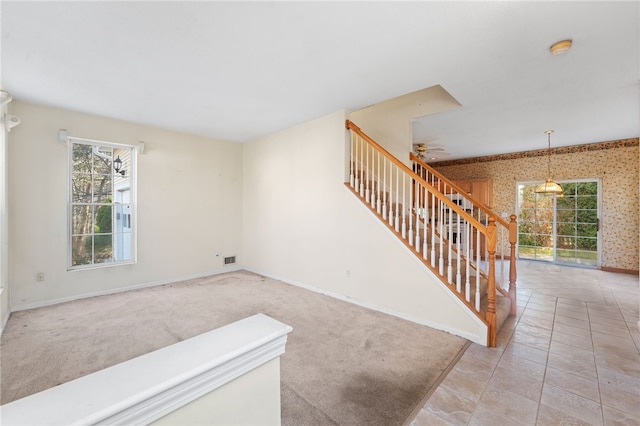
column 344, row 364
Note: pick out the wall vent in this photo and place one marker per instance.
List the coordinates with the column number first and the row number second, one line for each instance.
column 229, row 260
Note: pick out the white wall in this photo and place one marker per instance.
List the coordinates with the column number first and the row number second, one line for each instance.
column 189, row 206
column 302, row 225
column 252, row 399
column 4, row 223
column 390, row 122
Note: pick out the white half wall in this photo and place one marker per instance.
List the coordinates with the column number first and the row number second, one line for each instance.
column 227, row 376
column 252, row 399
column 189, row 204
column 303, row 226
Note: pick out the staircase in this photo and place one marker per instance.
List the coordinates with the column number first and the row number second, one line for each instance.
column 469, row 248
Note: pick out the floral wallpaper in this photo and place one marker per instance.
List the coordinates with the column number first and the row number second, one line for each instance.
column 615, row 163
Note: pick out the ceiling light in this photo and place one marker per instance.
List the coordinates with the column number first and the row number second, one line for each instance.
column 560, row 47
column 549, row 186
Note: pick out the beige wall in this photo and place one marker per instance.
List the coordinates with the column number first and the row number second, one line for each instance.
column 278, row 203
column 251, row 399
column 189, row 206
column 389, row 122
column 302, row 225
column 617, row 166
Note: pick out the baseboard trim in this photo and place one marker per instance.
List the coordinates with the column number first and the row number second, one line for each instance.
column 619, row 270
column 373, row 307
column 402, row 315
column 5, row 312
column 42, row 304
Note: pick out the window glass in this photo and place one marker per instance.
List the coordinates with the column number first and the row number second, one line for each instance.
column 101, row 208
column 561, row 228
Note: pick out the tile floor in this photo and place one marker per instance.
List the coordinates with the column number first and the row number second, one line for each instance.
column 570, row 357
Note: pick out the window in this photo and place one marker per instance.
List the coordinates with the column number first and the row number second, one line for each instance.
column 562, row 228
column 101, row 196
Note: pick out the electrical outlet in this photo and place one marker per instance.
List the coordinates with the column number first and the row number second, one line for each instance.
column 40, row 276
column 348, row 273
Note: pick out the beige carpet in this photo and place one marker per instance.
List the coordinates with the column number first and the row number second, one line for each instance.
column 344, row 364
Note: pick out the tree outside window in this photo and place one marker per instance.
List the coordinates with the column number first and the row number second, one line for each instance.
column 100, row 204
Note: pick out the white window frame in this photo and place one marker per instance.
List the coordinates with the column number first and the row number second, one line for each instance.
column 132, row 175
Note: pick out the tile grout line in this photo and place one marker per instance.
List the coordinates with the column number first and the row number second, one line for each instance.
column 546, row 364
column 589, row 306
column 593, row 349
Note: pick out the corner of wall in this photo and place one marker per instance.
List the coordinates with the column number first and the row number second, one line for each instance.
column 5, row 310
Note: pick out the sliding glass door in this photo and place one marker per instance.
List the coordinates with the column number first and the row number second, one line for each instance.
column 563, row 228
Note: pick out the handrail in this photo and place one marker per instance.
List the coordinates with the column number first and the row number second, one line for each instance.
column 453, row 185
column 414, row 175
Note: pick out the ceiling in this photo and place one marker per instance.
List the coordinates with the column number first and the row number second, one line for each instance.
column 240, row 70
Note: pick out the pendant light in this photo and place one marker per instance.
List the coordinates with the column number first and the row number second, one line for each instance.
column 549, row 186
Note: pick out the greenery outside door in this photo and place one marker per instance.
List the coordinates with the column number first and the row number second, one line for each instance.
column 560, row 229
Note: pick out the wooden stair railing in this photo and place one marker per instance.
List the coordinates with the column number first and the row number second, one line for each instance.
column 418, row 206
column 507, row 238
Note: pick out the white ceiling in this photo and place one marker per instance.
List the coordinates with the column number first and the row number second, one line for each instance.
column 239, row 70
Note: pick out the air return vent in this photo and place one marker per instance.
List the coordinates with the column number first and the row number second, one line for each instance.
column 229, row 260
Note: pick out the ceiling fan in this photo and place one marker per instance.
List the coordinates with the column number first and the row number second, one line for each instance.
column 424, row 152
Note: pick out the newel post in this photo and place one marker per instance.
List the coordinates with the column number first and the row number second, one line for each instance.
column 491, row 288
column 513, row 239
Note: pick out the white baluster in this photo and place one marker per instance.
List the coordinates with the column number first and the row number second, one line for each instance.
column 441, row 231
column 404, row 207
column 416, row 188
column 361, row 171
column 459, row 255
column 379, row 204
column 478, row 270
column 391, row 195
column 367, row 191
column 372, row 178
column 485, row 253
column 397, row 220
column 433, row 229
column 351, row 175
column 425, row 247
column 355, row 164
column 449, row 225
column 467, row 284
column 502, row 250
column 384, row 192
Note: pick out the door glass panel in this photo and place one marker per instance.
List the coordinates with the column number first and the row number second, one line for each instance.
column 561, row 228
column 535, row 224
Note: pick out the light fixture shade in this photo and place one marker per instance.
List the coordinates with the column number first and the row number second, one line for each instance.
column 560, row 47
column 549, row 187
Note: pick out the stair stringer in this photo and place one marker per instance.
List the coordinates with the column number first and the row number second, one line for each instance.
column 441, row 309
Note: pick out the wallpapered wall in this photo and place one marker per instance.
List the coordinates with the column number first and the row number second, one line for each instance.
column 616, row 163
